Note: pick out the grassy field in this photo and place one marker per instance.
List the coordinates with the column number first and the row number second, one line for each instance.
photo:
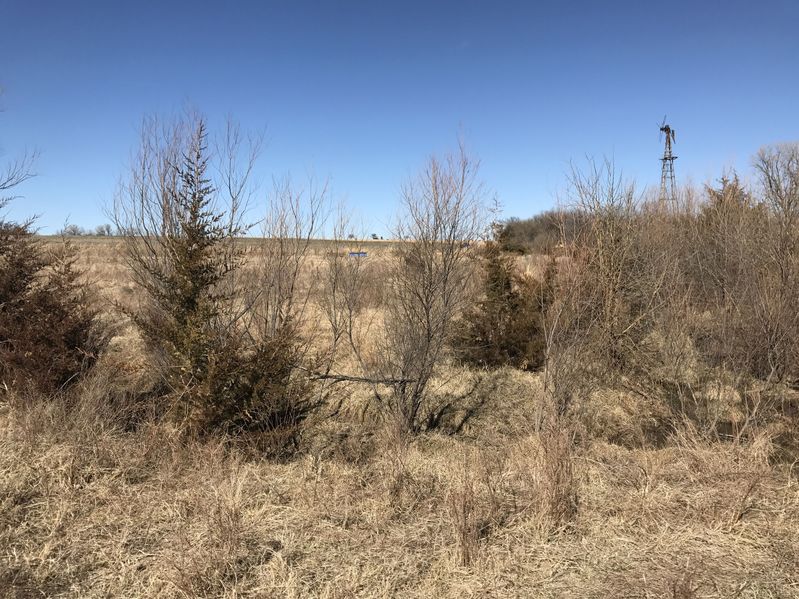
column 88, row 509
column 103, row 260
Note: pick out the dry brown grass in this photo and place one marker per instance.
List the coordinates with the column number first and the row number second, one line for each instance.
column 88, row 509
column 103, row 260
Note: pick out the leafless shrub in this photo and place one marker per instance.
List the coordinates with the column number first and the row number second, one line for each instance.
column 619, row 290
column 608, row 293
column 722, row 267
column 742, row 276
column 592, row 330
column 286, row 280
column 425, row 288
column 285, row 283
column 442, row 216
column 346, row 287
column 775, row 307
column 673, row 302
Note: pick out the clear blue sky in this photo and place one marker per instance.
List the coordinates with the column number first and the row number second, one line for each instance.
column 364, row 91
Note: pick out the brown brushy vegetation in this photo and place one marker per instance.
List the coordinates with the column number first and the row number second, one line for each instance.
column 539, row 234
column 670, row 304
column 652, row 454
column 50, row 326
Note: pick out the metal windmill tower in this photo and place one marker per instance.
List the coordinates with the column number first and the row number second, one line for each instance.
column 667, row 183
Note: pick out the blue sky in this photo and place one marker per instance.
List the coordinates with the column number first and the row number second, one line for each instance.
column 363, row 92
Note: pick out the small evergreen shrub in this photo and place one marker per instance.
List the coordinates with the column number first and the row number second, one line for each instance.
column 219, row 372
column 505, row 326
column 50, row 328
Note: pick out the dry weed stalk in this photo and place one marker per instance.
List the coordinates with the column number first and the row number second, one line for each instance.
column 464, row 512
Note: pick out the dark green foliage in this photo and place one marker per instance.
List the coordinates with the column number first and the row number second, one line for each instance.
column 505, row 327
column 256, row 391
column 218, row 374
column 182, row 272
column 50, row 332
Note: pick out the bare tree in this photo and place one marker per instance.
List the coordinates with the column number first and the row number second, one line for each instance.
column 616, row 282
column 345, row 281
column 421, row 290
column 606, row 253
column 286, row 280
column 443, row 214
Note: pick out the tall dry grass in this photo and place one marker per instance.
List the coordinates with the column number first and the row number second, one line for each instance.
column 91, row 510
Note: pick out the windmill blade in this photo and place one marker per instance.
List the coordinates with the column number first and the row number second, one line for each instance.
column 663, row 122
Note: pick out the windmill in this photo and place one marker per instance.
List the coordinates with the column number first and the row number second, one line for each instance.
column 667, row 183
